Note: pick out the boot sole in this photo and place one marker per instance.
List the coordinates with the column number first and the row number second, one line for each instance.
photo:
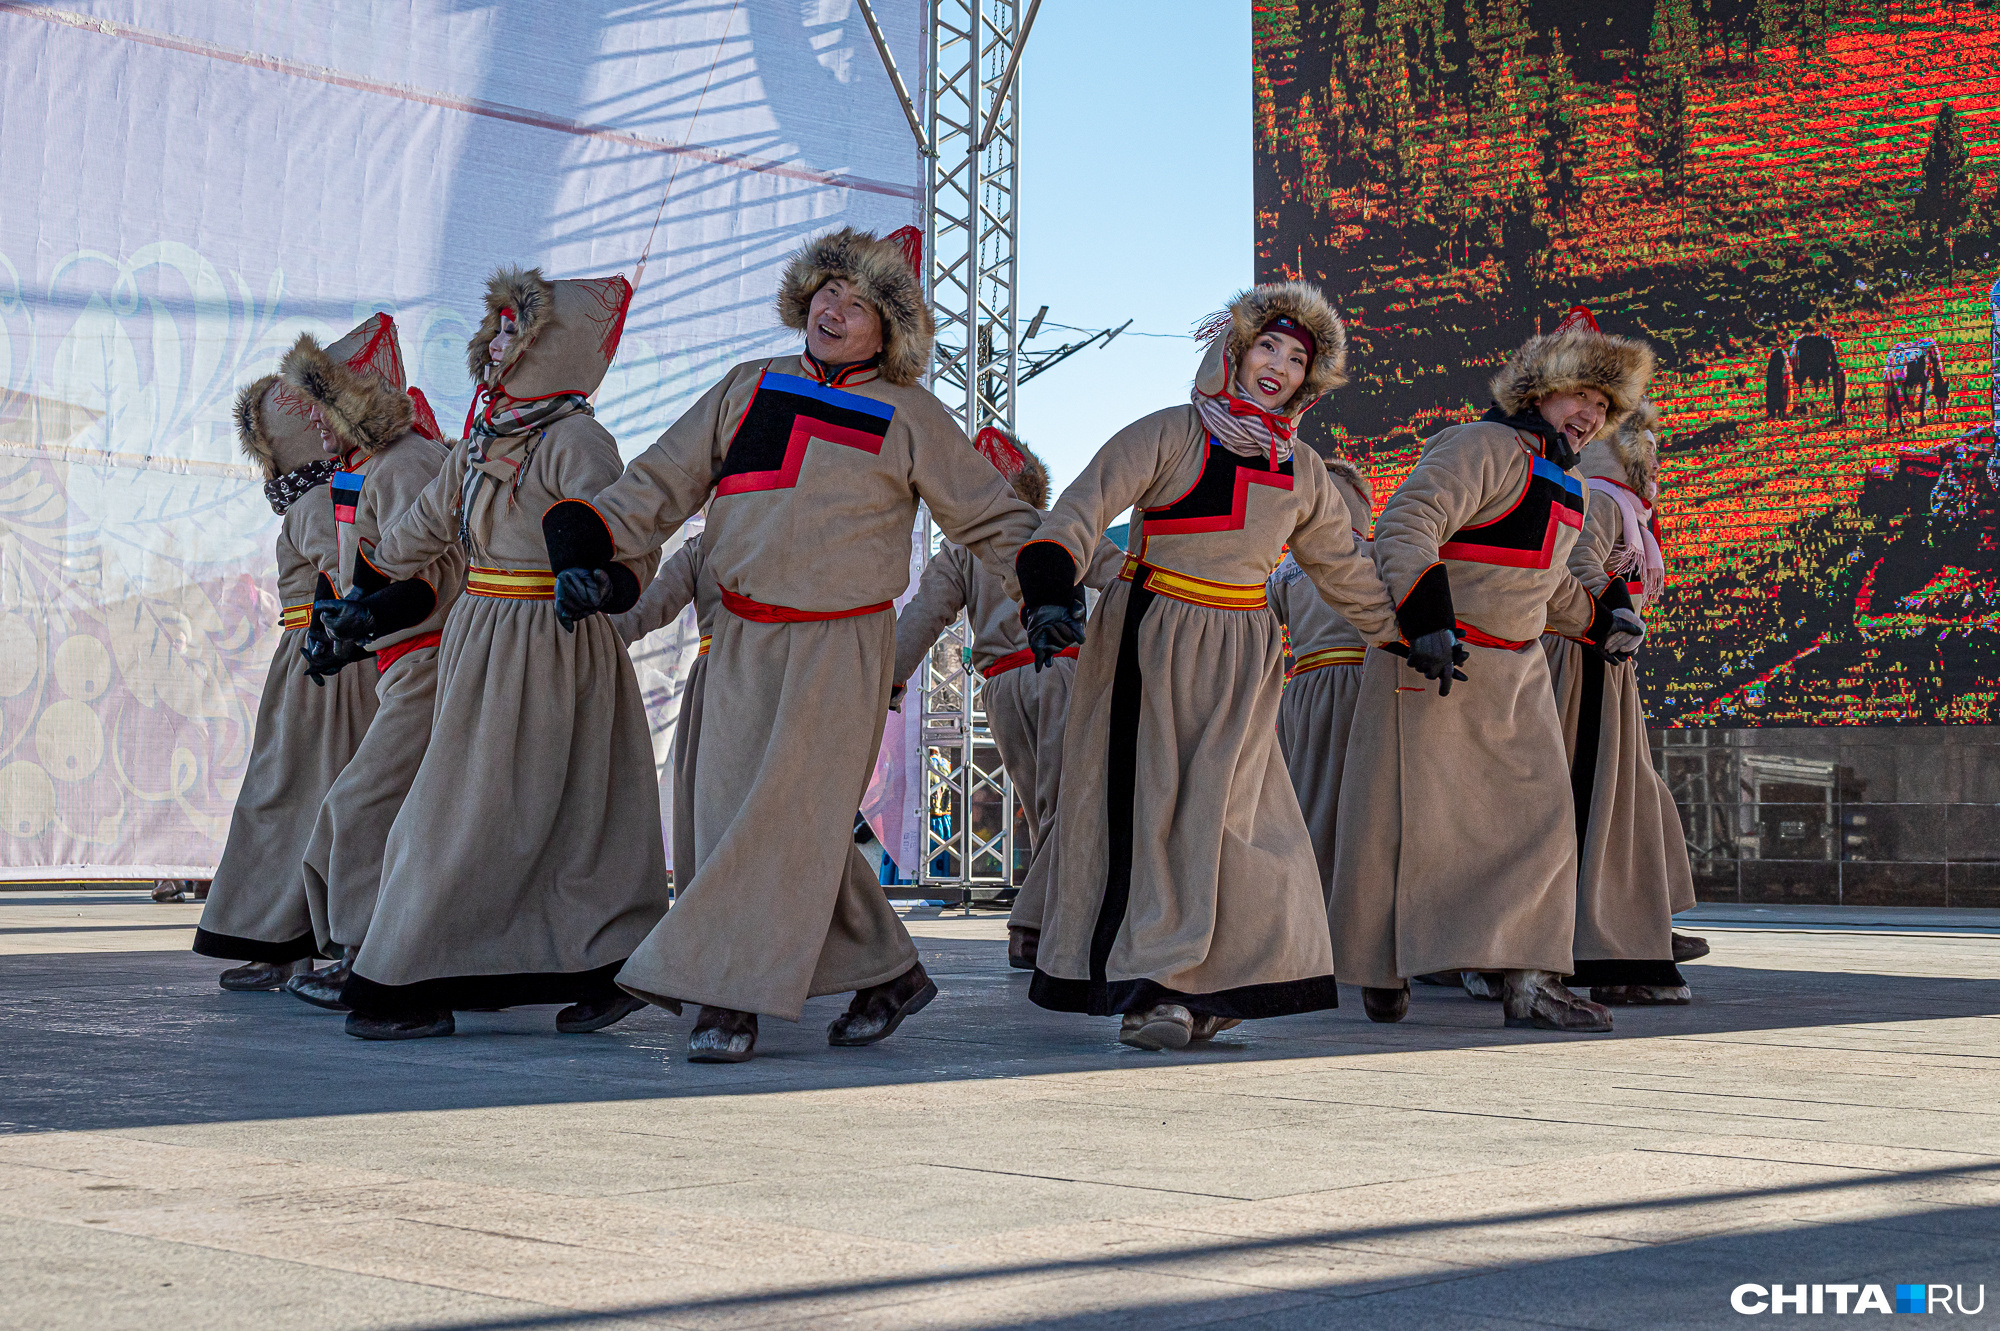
column 626, row 1007
column 1157, row 1035
column 917, row 1003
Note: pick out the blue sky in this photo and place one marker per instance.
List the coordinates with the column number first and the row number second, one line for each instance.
column 1135, row 204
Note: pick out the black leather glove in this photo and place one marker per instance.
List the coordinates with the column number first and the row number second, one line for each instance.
column 345, row 618
column 1436, row 655
column 1627, row 632
column 581, row 593
column 327, row 655
column 1052, row 628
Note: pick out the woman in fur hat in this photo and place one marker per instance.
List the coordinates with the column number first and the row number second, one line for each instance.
column 1318, row 708
column 368, row 422
column 1024, row 707
column 526, row 862
column 307, row 727
column 1183, row 896
column 1456, row 843
column 1633, row 872
column 812, row 466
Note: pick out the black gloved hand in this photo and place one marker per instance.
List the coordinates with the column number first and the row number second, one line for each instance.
column 345, row 618
column 1627, row 632
column 327, row 655
column 1437, row 656
column 580, row 593
column 1051, row 629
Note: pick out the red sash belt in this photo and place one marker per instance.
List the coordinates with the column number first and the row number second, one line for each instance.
column 388, row 656
column 759, row 613
column 1481, row 638
column 1015, row 660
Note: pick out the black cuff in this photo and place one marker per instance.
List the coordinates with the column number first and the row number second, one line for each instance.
column 624, row 589
column 1616, row 595
column 400, row 605
column 1047, row 575
column 322, row 591
column 364, row 576
column 1600, row 615
column 1428, row 606
column 576, row 536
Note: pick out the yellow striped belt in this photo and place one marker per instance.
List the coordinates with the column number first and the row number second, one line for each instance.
column 1193, row 590
column 296, row 616
column 1331, row 656
column 511, row 584
column 706, row 638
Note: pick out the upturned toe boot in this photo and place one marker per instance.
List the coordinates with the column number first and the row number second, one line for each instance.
column 1021, row 946
column 321, row 988
column 1688, row 946
column 1538, row 999
column 594, row 1014
column 1386, row 1004
column 402, row 1026
column 875, row 1012
column 258, row 976
column 722, row 1035
column 1162, row 1026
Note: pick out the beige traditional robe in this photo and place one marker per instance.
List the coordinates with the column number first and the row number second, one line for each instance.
column 1456, row 846
column 1183, row 872
column 815, row 491
column 527, row 860
column 305, row 735
column 343, row 861
column 1318, row 707
column 1633, row 871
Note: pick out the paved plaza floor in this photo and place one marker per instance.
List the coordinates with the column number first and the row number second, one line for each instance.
column 173, row 1156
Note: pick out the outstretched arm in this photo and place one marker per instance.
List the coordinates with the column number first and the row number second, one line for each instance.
column 669, row 593
column 941, row 594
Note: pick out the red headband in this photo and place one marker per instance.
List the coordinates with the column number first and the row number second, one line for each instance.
column 1290, row 327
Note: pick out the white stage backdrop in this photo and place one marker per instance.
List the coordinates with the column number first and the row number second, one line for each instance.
column 190, row 185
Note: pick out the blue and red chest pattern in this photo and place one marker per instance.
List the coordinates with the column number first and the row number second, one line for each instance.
column 346, row 487
column 1525, row 535
column 1219, row 499
column 786, row 413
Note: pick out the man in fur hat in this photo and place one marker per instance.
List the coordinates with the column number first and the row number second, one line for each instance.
column 816, row 463
column 1456, row 843
column 384, row 440
column 1025, row 707
column 307, row 727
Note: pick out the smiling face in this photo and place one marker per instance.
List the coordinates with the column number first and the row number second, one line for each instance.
column 842, row 328
column 1577, row 415
column 327, row 443
column 1272, row 370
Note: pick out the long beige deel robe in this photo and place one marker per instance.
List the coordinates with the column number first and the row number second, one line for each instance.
column 527, row 861
column 305, row 735
column 343, row 861
column 792, row 712
column 1317, row 712
column 1633, row 871
column 1456, row 845
column 1183, row 872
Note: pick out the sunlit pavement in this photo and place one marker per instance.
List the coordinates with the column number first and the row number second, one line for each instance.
column 173, row 1155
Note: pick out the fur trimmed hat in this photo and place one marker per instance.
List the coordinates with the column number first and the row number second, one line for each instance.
column 357, row 384
column 1017, row 462
column 1230, row 332
column 1356, row 490
column 880, row 274
column 565, row 332
column 274, row 427
column 1575, row 356
column 1630, row 454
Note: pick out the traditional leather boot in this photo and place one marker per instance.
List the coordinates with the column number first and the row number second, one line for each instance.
column 1386, row 1004
column 169, row 889
column 258, row 976
column 407, row 1026
column 1687, row 947
column 594, row 1014
column 1538, row 999
column 1449, row 979
column 1207, row 1028
column 1162, row 1026
column 1483, row 985
column 874, row 1013
column 321, row 988
column 1641, row 995
column 722, row 1035
column 1021, row 944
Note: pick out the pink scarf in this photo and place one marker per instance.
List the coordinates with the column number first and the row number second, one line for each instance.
column 1639, row 547
column 1242, row 427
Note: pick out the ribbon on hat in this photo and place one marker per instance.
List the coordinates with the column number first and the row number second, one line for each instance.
column 994, row 445
column 1578, row 317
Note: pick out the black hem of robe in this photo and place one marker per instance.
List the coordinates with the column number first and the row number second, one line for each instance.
column 1247, row 1003
column 228, row 947
column 458, row 993
column 1620, row 970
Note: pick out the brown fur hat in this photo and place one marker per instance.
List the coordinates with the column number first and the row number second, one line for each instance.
column 356, row 383
column 1356, row 490
column 274, row 427
column 880, row 274
column 571, row 325
column 1230, row 332
column 1032, row 482
column 1573, row 358
column 1631, row 453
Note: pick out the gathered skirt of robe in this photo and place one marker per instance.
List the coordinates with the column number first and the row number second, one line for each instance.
column 527, row 861
column 305, row 735
column 1633, row 871
column 1025, row 709
column 687, row 746
column 1183, row 872
column 343, row 861
column 1456, row 845
column 781, row 905
column 1313, row 725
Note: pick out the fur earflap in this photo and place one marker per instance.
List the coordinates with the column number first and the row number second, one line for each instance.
column 1562, row 362
column 532, row 299
column 360, row 410
column 1301, row 301
column 1636, row 448
column 1032, row 483
column 274, row 427
column 880, row 275
column 1356, row 490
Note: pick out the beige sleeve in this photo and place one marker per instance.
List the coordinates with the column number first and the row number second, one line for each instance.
column 1464, row 470
column 1116, row 479
column 409, row 542
column 941, row 593
column 292, row 561
column 385, row 496
column 1105, row 561
column 669, row 482
column 1591, row 554
column 1571, row 607
column 971, row 502
column 669, row 593
column 587, row 466
column 1324, row 546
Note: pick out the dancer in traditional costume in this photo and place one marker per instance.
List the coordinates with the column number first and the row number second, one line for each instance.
column 1327, row 651
column 1456, row 843
column 385, row 440
column 526, row 862
column 308, row 727
column 1183, row 894
column 815, row 464
column 1024, row 707
column 1633, row 870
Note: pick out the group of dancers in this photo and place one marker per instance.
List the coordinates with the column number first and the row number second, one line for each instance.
column 451, row 793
